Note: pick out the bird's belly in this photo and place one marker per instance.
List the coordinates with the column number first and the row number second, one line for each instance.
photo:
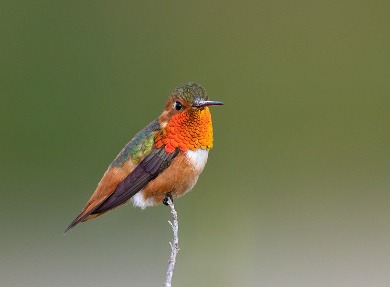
column 179, row 178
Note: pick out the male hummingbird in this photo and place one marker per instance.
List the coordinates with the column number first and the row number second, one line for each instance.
column 164, row 159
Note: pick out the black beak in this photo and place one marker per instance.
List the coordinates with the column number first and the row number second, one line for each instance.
column 202, row 103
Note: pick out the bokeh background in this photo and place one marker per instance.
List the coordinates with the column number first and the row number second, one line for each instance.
column 296, row 190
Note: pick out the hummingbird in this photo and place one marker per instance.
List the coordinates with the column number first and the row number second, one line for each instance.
column 163, row 160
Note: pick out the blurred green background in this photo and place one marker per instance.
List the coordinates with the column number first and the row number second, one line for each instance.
column 296, row 190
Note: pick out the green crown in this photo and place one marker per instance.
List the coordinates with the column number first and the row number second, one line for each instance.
column 190, row 91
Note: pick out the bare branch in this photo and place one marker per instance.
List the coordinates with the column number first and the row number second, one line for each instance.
column 174, row 244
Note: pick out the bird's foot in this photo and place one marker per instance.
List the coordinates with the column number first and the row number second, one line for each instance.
column 167, row 196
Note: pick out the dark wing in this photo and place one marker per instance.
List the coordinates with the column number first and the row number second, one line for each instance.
column 148, row 169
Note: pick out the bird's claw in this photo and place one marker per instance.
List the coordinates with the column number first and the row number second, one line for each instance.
column 167, row 196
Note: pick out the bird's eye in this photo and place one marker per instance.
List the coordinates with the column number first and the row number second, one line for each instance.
column 178, row 106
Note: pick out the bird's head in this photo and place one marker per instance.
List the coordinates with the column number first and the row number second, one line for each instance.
column 186, row 120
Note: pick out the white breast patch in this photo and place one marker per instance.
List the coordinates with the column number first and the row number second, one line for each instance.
column 198, row 158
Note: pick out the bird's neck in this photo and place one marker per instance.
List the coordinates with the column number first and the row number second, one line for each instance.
column 189, row 130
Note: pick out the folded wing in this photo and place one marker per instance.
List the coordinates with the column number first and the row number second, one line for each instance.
column 152, row 165
column 147, row 170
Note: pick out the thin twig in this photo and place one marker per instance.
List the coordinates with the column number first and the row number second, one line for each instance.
column 174, row 244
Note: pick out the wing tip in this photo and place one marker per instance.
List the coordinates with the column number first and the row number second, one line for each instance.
column 73, row 224
column 81, row 217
